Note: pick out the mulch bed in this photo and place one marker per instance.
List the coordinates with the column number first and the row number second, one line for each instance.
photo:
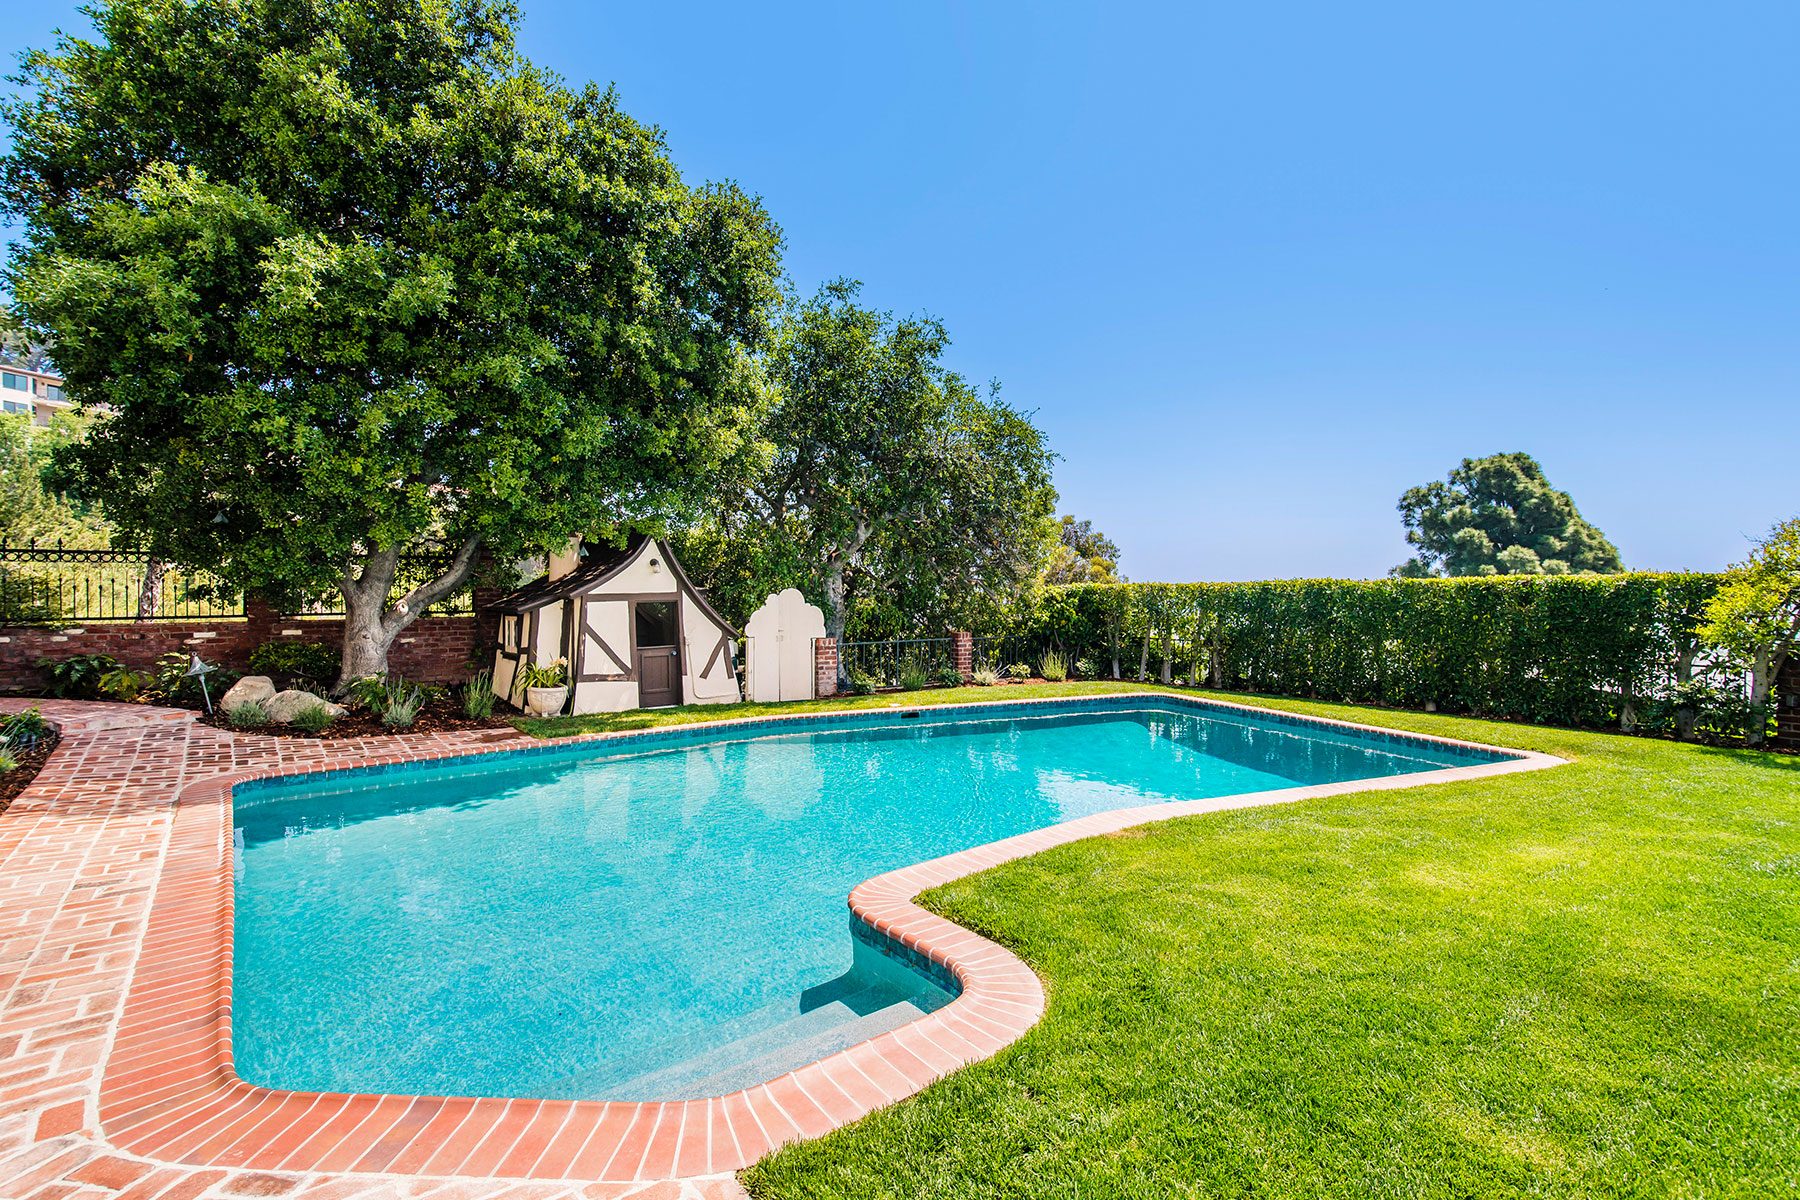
column 30, row 763
column 438, row 716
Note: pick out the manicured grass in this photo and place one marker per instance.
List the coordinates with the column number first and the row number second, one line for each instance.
column 1576, row 982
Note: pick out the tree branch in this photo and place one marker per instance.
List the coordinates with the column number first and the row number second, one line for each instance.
column 415, row 602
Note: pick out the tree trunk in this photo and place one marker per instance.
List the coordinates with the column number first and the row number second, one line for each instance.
column 1762, row 680
column 1168, row 658
column 835, row 618
column 1144, row 658
column 1684, row 675
column 371, row 624
column 150, row 593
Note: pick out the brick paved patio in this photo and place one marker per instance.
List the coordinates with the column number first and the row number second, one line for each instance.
column 115, row 945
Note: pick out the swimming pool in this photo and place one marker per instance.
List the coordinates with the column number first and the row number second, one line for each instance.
column 662, row 916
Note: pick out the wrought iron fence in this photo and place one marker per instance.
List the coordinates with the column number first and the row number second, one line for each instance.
column 899, row 662
column 46, row 585
column 58, row 585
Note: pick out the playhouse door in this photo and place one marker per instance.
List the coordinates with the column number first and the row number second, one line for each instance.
column 658, row 658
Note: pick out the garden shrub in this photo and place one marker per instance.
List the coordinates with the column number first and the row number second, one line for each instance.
column 248, row 715
column 947, row 677
column 478, row 696
column 309, row 665
column 315, row 718
column 1593, row 650
column 77, row 677
column 401, row 702
column 862, row 683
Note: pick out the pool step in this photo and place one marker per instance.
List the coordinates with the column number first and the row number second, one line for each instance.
column 877, row 994
column 760, row 1057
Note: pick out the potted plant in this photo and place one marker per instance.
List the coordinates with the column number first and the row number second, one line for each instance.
column 546, row 688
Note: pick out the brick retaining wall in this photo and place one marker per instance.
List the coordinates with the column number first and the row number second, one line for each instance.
column 431, row 649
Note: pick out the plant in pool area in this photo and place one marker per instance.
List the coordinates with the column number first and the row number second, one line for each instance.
column 478, row 696
column 369, row 692
column 76, row 677
column 913, row 676
column 315, row 718
column 401, row 705
column 862, row 683
column 555, row 674
column 1018, row 671
column 126, row 685
column 173, row 685
column 947, row 677
column 24, row 728
column 1053, row 667
column 984, row 676
column 249, row 715
column 308, row 665
column 1084, row 669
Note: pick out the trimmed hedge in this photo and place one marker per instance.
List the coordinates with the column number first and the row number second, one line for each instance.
column 1590, row 650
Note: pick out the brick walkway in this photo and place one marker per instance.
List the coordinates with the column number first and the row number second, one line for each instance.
column 115, row 955
column 80, row 855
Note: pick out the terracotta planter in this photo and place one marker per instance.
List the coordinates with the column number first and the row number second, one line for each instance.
column 546, row 702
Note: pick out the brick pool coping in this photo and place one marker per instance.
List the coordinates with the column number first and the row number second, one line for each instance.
column 168, row 1099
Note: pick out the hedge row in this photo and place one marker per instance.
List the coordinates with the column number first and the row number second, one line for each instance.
column 1573, row 650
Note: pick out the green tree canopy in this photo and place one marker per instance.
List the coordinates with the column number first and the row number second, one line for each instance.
column 1755, row 614
column 30, row 511
column 1499, row 516
column 1082, row 554
column 882, row 484
column 355, row 277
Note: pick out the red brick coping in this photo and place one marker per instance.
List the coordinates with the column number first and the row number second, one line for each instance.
column 169, row 1095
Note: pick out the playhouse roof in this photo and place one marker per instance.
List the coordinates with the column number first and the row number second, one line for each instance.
column 600, row 564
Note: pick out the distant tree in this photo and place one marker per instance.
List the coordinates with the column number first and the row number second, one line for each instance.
column 30, row 511
column 357, row 279
column 1756, row 614
column 17, row 347
column 1082, row 554
column 1500, row 516
column 880, row 483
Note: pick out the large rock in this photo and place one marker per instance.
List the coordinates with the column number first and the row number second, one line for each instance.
column 251, row 689
column 283, row 707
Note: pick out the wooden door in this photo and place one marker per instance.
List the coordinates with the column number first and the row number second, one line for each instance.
column 657, row 630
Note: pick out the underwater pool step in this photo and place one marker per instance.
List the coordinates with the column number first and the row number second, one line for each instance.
column 760, row 1057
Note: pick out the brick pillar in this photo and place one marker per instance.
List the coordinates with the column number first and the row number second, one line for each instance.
column 1787, row 704
column 962, row 653
column 825, row 667
column 260, row 620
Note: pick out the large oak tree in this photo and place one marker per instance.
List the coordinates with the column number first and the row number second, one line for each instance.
column 881, row 483
column 355, row 278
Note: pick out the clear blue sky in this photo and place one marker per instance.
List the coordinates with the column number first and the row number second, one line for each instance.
column 1259, row 267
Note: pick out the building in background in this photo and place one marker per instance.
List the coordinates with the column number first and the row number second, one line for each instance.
column 37, row 394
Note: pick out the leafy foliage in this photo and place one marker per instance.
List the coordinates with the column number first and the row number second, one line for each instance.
column 1590, row 650
column 315, row 718
column 292, row 663
column 77, row 677
column 401, row 702
column 251, row 714
column 1082, row 554
column 880, row 483
column 478, row 696
column 1500, row 516
column 1755, row 614
column 1054, row 666
column 30, row 510
column 431, row 292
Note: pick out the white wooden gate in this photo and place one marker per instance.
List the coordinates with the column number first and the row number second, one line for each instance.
column 778, row 648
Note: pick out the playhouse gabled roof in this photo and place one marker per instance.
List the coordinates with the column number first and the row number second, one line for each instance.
column 600, row 565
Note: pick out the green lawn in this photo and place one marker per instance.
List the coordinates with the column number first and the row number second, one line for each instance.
column 1576, row 982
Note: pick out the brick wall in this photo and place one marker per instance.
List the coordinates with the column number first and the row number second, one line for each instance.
column 962, row 653
column 1787, row 704
column 825, row 666
column 431, row 649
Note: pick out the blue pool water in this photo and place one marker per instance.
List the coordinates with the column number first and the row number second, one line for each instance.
column 665, row 917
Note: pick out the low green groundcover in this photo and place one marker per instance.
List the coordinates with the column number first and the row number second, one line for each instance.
column 1576, row 982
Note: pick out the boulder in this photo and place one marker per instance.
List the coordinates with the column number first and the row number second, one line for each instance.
column 283, row 707
column 251, row 689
